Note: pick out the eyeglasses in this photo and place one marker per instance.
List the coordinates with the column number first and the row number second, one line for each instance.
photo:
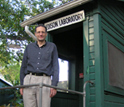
column 40, row 32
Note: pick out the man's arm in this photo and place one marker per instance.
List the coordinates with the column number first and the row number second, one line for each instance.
column 21, row 91
column 55, row 65
column 55, row 75
column 53, row 92
column 23, row 69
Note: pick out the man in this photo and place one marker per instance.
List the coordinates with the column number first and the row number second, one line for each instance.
column 40, row 62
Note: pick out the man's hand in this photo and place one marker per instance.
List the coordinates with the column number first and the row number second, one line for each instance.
column 21, row 91
column 52, row 92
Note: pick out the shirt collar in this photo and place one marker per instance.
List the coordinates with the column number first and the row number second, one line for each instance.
column 41, row 46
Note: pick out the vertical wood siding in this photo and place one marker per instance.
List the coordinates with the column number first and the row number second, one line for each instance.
column 113, row 18
column 112, row 21
column 91, row 61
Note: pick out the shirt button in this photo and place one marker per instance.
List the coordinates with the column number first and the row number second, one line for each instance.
column 38, row 57
column 37, row 68
column 39, row 52
column 37, row 63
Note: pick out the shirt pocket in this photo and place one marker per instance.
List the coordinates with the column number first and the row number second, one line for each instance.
column 47, row 55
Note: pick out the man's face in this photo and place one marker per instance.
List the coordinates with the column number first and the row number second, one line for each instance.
column 40, row 33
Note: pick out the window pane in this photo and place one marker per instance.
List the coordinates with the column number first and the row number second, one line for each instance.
column 116, row 66
column 63, row 74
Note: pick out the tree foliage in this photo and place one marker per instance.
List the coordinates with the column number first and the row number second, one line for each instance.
column 61, row 2
column 12, row 13
column 15, row 12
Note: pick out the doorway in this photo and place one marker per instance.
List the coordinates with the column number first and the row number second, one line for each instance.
column 69, row 42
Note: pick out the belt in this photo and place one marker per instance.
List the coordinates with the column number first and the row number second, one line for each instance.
column 38, row 74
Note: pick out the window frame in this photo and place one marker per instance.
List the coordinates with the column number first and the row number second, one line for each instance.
column 108, row 38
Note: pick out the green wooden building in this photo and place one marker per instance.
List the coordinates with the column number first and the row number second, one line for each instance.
column 89, row 34
column 5, row 95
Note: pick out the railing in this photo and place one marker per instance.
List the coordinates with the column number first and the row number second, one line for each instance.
column 50, row 86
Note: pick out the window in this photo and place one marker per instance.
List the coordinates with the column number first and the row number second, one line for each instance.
column 116, row 66
column 63, row 74
column 113, row 58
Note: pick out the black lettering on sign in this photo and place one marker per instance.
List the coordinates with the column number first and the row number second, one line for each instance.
column 64, row 21
column 76, row 17
column 52, row 25
column 80, row 16
column 60, row 23
column 70, row 19
column 67, row 20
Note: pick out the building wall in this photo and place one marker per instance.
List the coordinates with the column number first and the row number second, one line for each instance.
column 5, row 95
column 89, row 60
column 112, row 24
column 106, row 19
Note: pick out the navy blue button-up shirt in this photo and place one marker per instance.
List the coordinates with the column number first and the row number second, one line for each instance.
column 40, row 60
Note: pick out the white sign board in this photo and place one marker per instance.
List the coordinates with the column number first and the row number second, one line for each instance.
column 65, row 21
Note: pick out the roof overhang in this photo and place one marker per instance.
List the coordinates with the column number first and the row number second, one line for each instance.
column 6, row 82
column 54, row 11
